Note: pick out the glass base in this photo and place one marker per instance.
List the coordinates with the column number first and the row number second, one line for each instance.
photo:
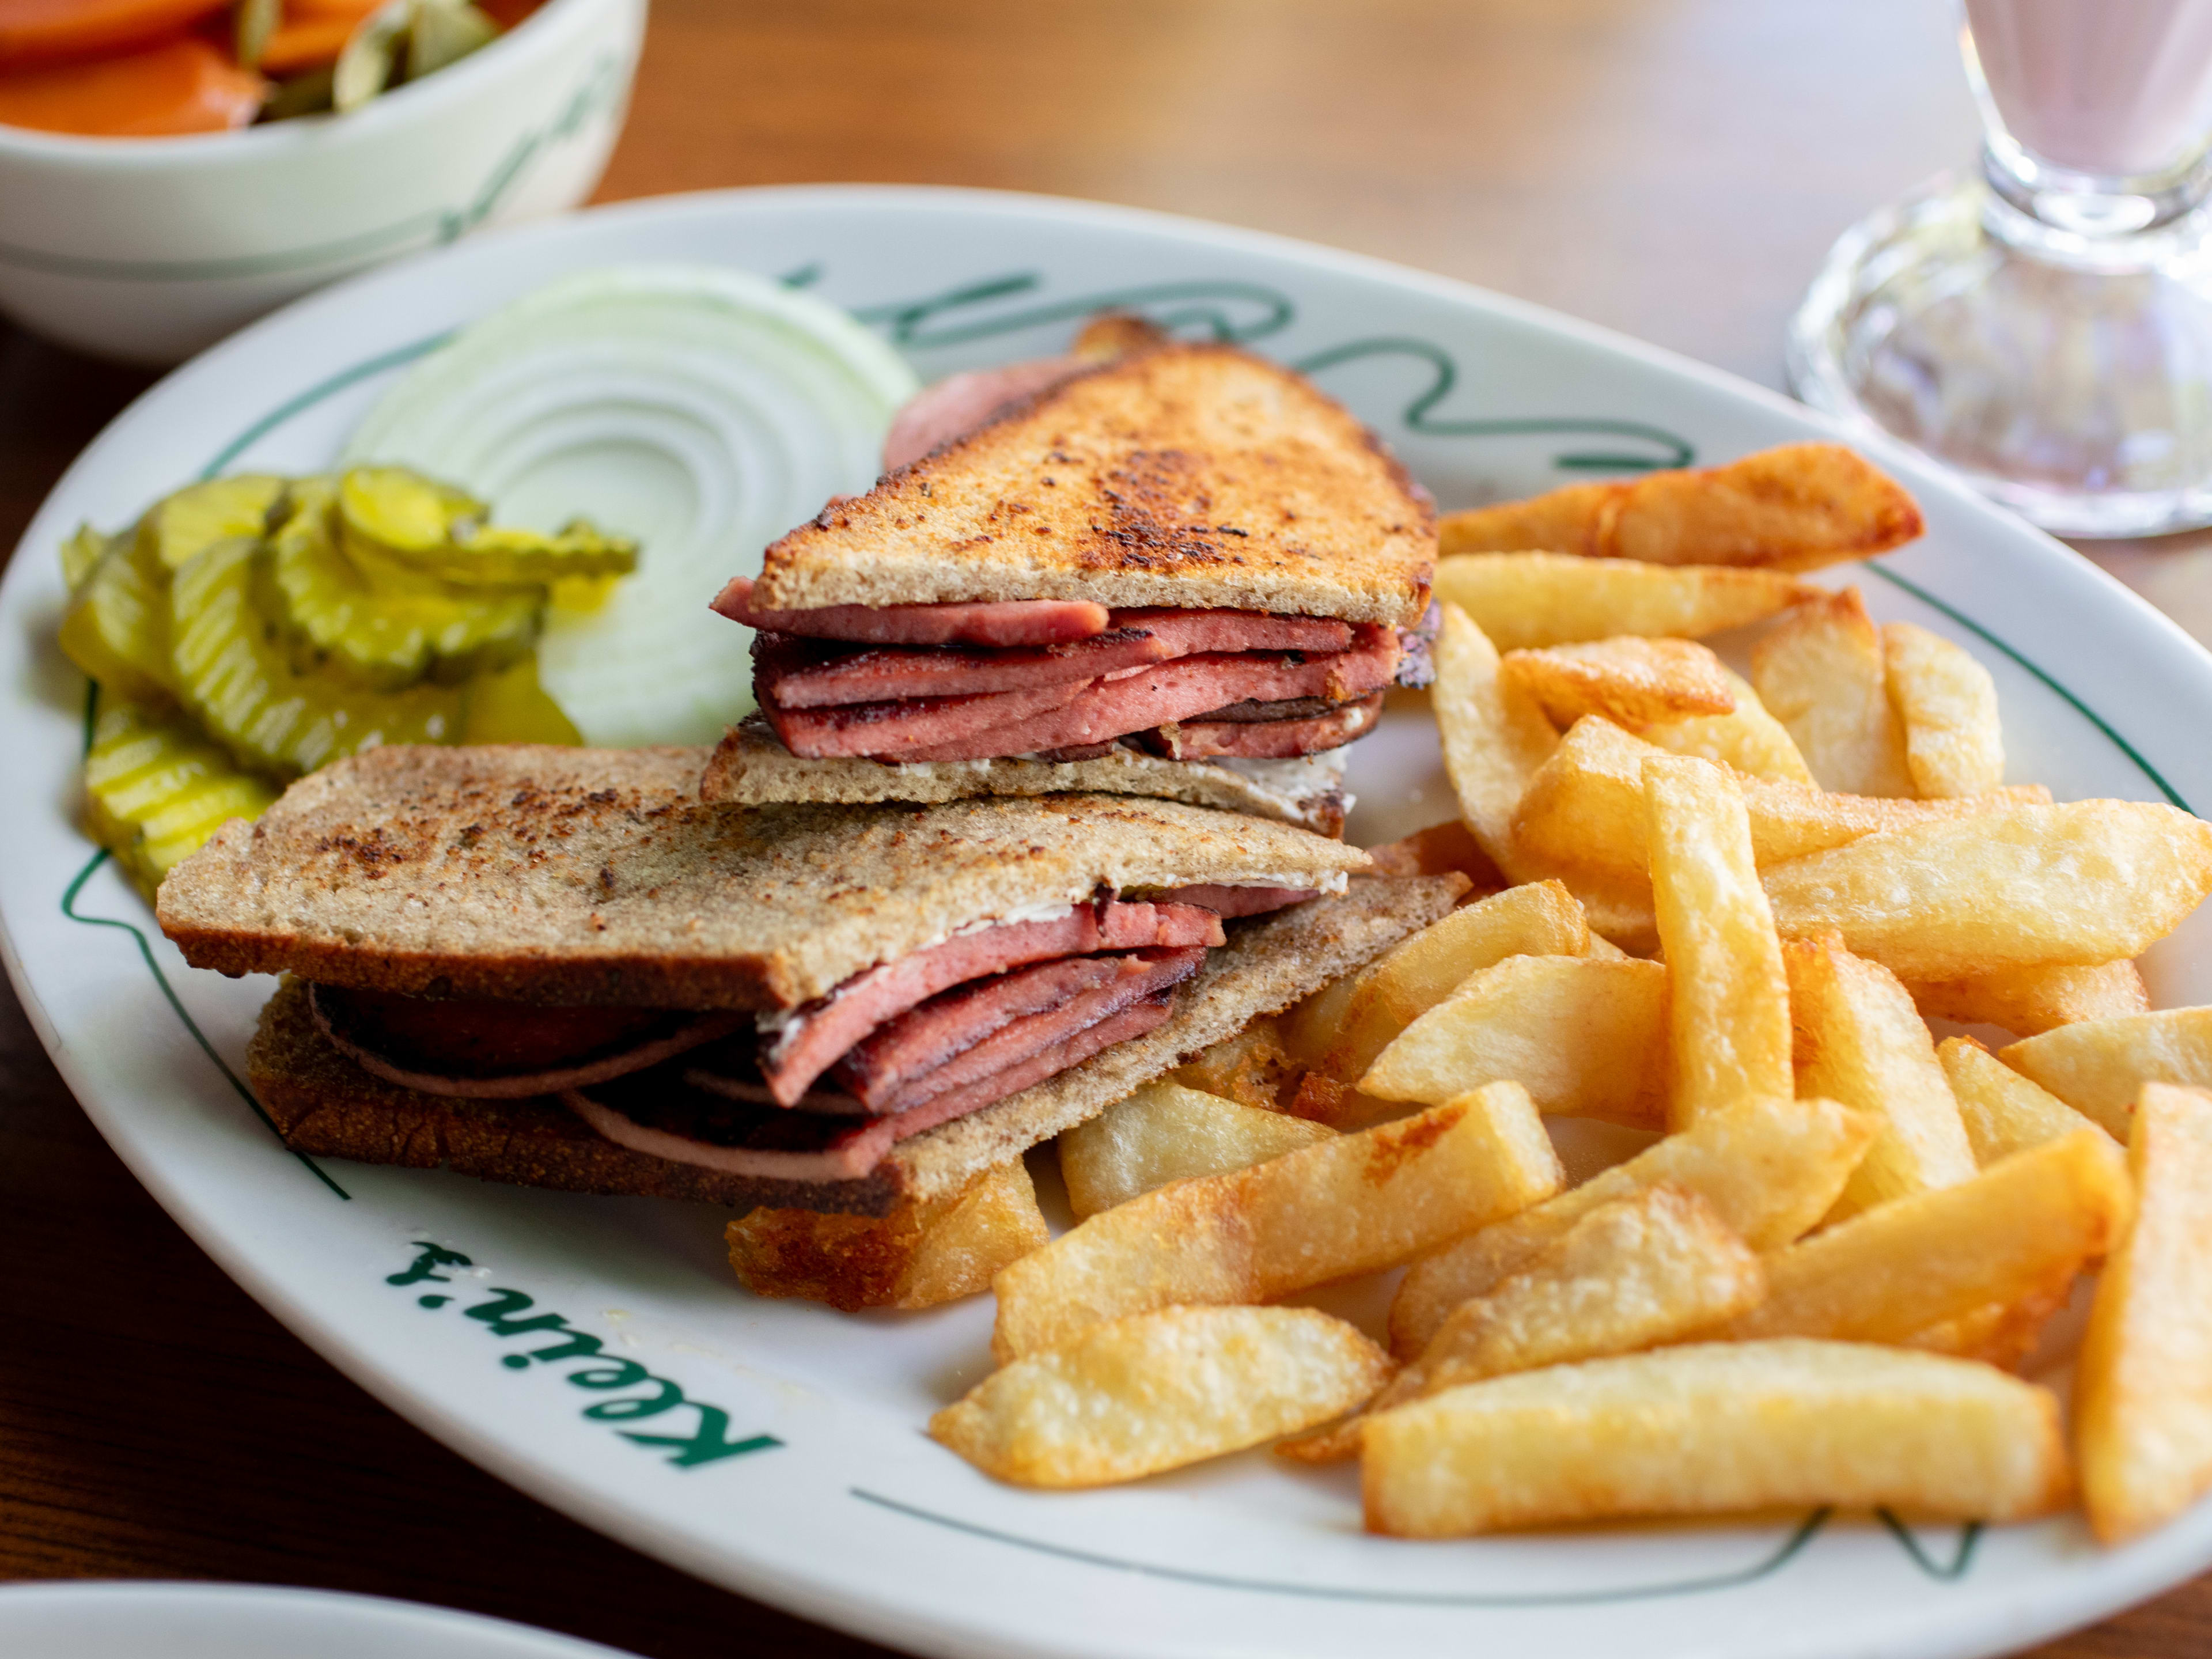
column 2073, row 386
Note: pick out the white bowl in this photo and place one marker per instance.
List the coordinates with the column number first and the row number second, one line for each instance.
column 148, row 249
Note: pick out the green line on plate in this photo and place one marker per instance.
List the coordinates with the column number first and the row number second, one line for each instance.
column 146, row 950
column 1944, row 1572
column 1783, row 1553
column 2079, row 706
column 314, row 394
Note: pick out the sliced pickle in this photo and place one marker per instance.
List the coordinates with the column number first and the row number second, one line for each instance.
column 578, row 551
column 401, row 514
column 118, row 629
column 233, row 671
column 510, row 706
column 83, row 551
column 156, row 789
column 379, row 623
column 199, row 515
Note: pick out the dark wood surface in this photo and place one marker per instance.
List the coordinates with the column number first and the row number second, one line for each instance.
column 1671, row 168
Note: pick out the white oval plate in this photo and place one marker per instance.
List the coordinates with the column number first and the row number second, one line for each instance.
column 256, row 1621
column 594, row 1351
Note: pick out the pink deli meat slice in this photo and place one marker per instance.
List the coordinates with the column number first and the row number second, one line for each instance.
column 956, row 406
column 792, row 674
column 1228, row 902
column 1176, row 691
column 896, row 731
column 1272, row 739
column 1006, row 622
column 812, row 1039
column 1187, row 633
column 782, row 1146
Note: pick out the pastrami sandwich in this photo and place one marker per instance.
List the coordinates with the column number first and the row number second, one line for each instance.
column 559, row 966
column 1161, row 568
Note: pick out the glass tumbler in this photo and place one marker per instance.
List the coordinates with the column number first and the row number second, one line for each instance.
column 2045, row 328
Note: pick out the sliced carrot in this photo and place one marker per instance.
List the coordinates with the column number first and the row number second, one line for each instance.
column 298, row 10
column 42, row 30
column 308, row 42
column 182, row 86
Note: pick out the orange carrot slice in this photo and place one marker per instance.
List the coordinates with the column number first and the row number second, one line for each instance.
column 182, row 86
column 41, row 31
column 308, row 42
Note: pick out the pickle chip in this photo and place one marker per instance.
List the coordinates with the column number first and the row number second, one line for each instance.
column 380, row 623
column 578, row 550
column 199, row 515
column 399, row 513
column 116, row 630
column 156, row 789
column 510, row 706
column 233, row 669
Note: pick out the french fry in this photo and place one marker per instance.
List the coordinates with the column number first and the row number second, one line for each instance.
column 1585, row 806
column 1718, row 1428
column 1796, row 507
column 1586, row 1037
column 2001, row 1334
column 1821, row 672
column 1948, row 705
column 1251, row 1068
column 1352, row 1204
column 2087, row 882
column 1341, row 1028
column 1522, row 600
column 2003, row 1113
column 1728, row 1002
column 1441, row 849
column 1750, row 740
column 2027, row 1001
column 1159, row 1390
column 1630, row 1274
column 2099, row 1065
column 1494, row 737
column 2142, row 1386
column 1630, row 681
column 919, row 1256
column 1166, row 1132
column 1770, row 1168
column 1861, row 1041
column 1891, row 1272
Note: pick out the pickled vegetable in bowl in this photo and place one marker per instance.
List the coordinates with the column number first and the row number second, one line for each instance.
column 249, row 630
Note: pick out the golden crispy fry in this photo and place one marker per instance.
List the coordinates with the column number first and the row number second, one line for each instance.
column 1714, row 1429
column 1631, row 681
column 1527, row 600
column 1494, row 735
column 1729, row 1005
column 1441, row 849
column 1796, row 507
column 1948, row 705
column 2087, row 882
column 2023, row 1223
column 1771, row 1168
column 2142, row 1386
column 1821, row 673
column 1585, row 807
column 1340, row 1029
column 1750, row 740
column 1586, row 1037
column 1251, row 1068
column 1349, row 1205
column 2100, row 1066
column 1158, row 1390
column 2003, row 1111
column 2003, row 1334
column 1861, row 1041
column 1166, row 1132
column 2029, row 1000
column 1630, row 1274
column 919, row 1255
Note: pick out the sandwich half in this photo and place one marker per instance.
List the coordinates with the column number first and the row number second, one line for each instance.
column 561, row 968
column 1164, row 568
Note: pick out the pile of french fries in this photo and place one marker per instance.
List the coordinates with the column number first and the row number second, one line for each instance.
column 1721, row 913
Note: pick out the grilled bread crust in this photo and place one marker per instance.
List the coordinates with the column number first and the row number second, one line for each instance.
column 324, row 1105
column 1190, row 475
column 553, row 875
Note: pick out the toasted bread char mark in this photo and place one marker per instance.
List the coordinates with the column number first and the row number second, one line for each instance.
column 578, row 876
column 1193, row 475
column 324, row 1105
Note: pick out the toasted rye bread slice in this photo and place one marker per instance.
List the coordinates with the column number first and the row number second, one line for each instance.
column 579, row 875
column 324, row 1105
column 1191, row 475
column 750, row 766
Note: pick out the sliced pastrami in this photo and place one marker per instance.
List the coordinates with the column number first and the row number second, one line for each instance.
column 1229, row 901
column 1173, row 691
column 791, row 672
column 895, row 730
column 1005, row 621
column 957, row 404
column 658, row 1114
column 810, row 1039
column 487, row 1050
column 1279, row 739
column 1187, row 632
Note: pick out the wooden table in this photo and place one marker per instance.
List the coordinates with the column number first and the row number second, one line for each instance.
column 1674, row 168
